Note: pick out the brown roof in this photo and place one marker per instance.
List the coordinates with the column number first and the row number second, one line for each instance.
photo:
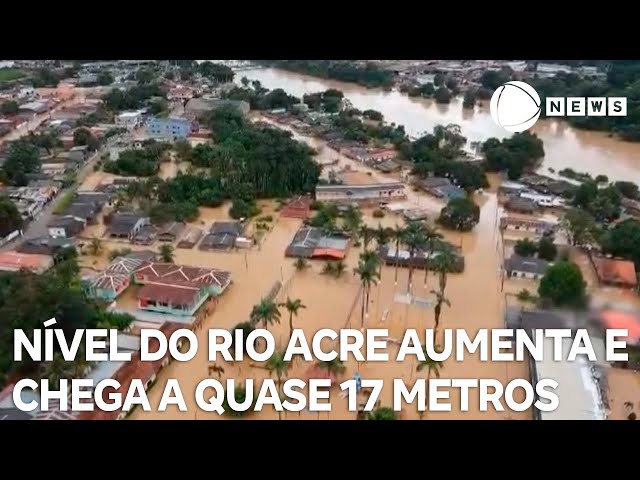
column 182, row 275
column 131, row 370
column 168, row 294
column 614, row 271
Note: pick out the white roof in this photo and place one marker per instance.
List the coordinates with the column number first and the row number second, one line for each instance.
column 129, row 114
column 578, row 391
column 128, row 342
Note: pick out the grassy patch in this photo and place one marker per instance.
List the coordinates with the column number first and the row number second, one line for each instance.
column 10, row 74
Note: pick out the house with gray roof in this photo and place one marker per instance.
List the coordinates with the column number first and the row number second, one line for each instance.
column 312, row 242
column 517, row 266
column 222, row 236
column 126, row 225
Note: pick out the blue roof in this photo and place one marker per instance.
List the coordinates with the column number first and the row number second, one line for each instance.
column 451, row 191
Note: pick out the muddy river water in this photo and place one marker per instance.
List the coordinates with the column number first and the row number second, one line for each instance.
column 477, row 297
column 592, row 152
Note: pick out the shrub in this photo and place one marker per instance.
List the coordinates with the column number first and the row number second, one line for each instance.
column 378, row 213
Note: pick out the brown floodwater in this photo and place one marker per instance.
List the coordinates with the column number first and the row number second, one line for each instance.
column 592, row 152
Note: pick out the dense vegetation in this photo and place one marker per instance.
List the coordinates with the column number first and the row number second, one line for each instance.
column 10, row 218
column 143, row 162
column 246, row 162
column 438, row 154
column 23, row 158
column 514, row 155
column 134, row 98
column 369, row 75
column 27, row 299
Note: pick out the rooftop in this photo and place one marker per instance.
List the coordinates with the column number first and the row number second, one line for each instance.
column 615, row 271
column 182, row 275
column 533, row 265
column 13, row 261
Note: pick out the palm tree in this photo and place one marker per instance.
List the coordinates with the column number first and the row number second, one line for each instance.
column 339, row 268
column 437, row 311
column 301, row 264
column 415, row 240
column 370, row 257
column 335, row 367
column 278, row 365
column 397, row 234
column 166, row 253
column 267, row 312
column 292, row 307
column 382, row 413
column 382, row 235
column 366, row 233
column 445, row 262
column 246, row 327
column 81, row 366
column 432, row 366
column 353, row 222
column 368, row 275
column 95, row 246
column 432, row 236
column 56, row 370
column 329, row 268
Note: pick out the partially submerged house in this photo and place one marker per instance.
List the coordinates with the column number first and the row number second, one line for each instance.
column 190, row 238
column 440, row 187
column 311, row 242
column 615, row 272
column 110, row 283
column 13, row 261
column 177, row 289
column 521, row 205
column 533, row 268
column 45, row 245
column 526, row 224
column 125, row 225
column 170, row 232
column 222, row 236
column 422, row 260
column 298, row 207
column 367, row 193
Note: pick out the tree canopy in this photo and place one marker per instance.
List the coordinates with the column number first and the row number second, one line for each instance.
column 460, row 214
column 514, row 155
column 563, row 285
column 10, row 218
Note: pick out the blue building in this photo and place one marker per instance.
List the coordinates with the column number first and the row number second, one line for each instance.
column 170, row 128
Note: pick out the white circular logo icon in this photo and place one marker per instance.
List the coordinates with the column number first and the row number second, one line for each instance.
column 515, row 106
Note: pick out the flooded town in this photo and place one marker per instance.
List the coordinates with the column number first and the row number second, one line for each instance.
column 314, row 195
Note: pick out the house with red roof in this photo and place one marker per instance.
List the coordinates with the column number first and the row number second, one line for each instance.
column 615, row 272
column 177, row 289
column 298, row 207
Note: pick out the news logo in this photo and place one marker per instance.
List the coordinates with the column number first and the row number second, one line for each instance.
column 516, row 106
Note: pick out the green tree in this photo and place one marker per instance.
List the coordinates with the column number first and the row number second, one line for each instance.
column 9, row 107
column 352, row 221
column 105, row 77
column 416, row 241
column 184, row 150
column 460, row 214
column 469, row 99
column 431, row 365
column 580, row 227
column 382, row 413
column 367, row 234
column 23, row 158
column 56, row 370
column 293, row 306
column 240, row 395
column 95, row 246
column 623, row 240
column 83, row 136
column 432, row 237
column 526, row 248
column 10, row 218
column 278, row 366
column 266, row 312
column 398, row 235
column 547, row 250
column 166, row 253
column 438, row 80
column 368, row 275
column 628, row 189
column 563, row 285
column 334, row 367
column 301, row 264
column 442, row 95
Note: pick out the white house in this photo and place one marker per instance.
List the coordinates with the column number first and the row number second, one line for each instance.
column 525, row 267
column 129, row 120
column 378, row 191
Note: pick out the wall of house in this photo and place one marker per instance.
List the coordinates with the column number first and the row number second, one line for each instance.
column 169, row 128
column 529, row 275
column 201, row 297
column 359, row 194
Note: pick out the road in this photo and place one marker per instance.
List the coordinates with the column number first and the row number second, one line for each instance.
column 38, row 226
